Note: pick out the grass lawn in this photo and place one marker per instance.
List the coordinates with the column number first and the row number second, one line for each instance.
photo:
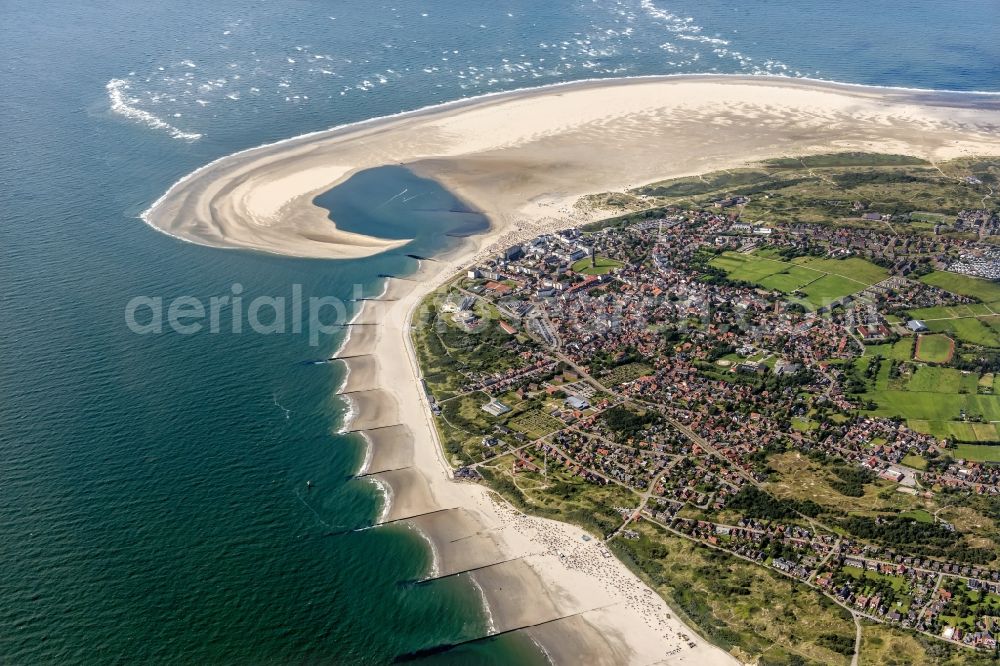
column 803, row 424
column 935, row 406
column 935, row 380
column 935, row 348
column 789, row 280
column 821, row 280
column 915, row 461
column 853, row 268
column 949, row 311
column 960, row 431
column 748, row 267
column 830, row 288
column 984, row 290
column 977, row 452
column 603, row 265
column 901, row 350
column 918, row 515
column 968, row 329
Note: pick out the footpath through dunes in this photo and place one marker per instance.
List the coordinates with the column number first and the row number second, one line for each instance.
column 525, row 155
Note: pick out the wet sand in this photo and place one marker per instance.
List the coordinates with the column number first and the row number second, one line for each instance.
column 460, row 543
column 388, row 449
column 362, row 373
column 376, row 408
column 410, row 494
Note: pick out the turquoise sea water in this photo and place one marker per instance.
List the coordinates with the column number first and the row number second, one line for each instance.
column 152, row 488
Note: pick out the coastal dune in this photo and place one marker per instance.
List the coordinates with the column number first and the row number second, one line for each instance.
column 526, row 156
column 525, row 159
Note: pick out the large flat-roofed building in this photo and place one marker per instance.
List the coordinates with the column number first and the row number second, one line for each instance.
column 495, row 408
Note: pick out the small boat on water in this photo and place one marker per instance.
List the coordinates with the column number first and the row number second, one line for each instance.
column 309, row 484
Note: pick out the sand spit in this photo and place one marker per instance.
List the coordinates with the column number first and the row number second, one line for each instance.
column 388, row 449
column 525, row 156
column 396, row 289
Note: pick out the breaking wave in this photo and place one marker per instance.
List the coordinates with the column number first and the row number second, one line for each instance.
column 123, row 105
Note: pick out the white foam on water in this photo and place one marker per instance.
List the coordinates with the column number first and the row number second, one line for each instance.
column 348, row 415
column 486, row 606
column 369, row 453
column 435, row 558
column 386, row 497
column 124, row 106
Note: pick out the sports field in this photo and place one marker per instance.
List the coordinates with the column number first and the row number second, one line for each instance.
column 935, row 348
column 602, row 266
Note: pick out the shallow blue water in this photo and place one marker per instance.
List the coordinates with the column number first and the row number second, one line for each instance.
column 152, row 487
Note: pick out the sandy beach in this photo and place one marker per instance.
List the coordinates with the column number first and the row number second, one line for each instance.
column 525, row 158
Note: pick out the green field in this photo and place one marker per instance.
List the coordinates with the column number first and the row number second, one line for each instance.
column 943, row 402
column 959, row 431
column 602, row 266
column 977, row 452
column 901, row 350
column 936, row 380
column 969, row 330
column 852, row 268
column 934, row 348
column 914, row 461
column 822, row 281
column 935, row 406
column 984, row 290
column 950, row 311
column 830, row 288
column 748, row 267
column 918, row 515
column 790, row 279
